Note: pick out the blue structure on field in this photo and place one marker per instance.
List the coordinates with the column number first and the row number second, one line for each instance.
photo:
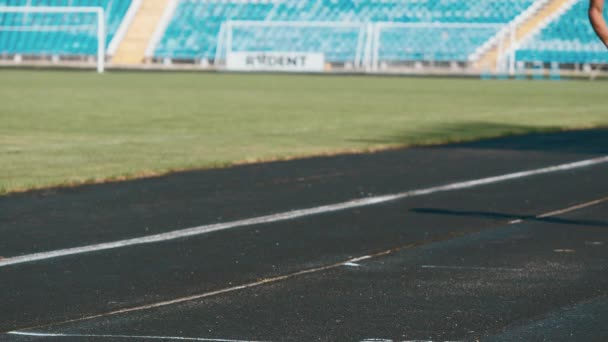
column 67, row 34
column 567, row 39
column 193, row 30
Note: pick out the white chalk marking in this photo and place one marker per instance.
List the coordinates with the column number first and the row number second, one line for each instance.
column 173, row 338
column 290, row 215
column 365, row 257
column 473, row 268
column 564, row 250
column 351, row 264
column 594, row 243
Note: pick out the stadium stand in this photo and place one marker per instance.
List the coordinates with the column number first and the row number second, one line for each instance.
column 57, row 34
column 193, row 31
column 567, row 39
column 369, row 32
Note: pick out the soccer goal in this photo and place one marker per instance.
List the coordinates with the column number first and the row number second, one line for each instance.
column 427, row 46
column 290, row 45
column 54, row 32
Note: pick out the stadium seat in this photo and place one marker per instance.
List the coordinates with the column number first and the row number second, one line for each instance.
column 70, row 40
column 193, row 30
column 567, row 39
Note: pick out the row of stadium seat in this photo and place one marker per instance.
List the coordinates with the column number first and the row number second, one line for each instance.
column 568, row 39
column 60, row 33
column 193, row 31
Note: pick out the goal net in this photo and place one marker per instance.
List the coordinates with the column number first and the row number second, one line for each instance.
column 430, row 45
column 290, row 46
column 53, row 32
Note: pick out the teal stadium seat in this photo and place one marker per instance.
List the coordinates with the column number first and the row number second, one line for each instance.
column 193, row 30
column 75, row 40
column 567, row 39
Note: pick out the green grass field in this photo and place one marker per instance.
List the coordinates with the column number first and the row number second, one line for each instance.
column 60, row 127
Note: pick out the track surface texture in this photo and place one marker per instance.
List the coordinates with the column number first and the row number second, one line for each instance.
column 522, row 258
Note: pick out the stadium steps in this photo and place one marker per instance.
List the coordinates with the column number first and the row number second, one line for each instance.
column 132, row 49
column 527, row 26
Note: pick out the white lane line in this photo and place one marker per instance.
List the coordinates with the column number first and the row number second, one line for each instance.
column 365, row 257
column 290, row 215
column 172, row 338
column 351, row 264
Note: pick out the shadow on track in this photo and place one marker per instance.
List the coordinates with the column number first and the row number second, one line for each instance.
column 514, row 137
column 590, row 141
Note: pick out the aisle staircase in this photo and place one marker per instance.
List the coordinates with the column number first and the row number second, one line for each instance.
column 132, row 49
column 524, row 26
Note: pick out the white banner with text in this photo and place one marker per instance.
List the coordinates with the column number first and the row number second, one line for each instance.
column 275, row 61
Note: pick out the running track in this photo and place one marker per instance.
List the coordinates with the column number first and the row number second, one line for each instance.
column 498, row 240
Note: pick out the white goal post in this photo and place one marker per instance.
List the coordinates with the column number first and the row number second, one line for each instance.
column 99, row 27
column 335, row 43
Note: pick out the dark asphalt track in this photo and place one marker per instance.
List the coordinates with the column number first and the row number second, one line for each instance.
column 445, row 266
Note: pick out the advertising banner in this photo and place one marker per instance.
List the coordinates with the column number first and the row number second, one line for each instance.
column 275, row 61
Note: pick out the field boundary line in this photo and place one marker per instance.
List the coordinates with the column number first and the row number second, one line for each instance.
column 295, row 214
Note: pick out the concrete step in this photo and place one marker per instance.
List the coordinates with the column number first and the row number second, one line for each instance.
column 488, row 61
column 131, row 50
